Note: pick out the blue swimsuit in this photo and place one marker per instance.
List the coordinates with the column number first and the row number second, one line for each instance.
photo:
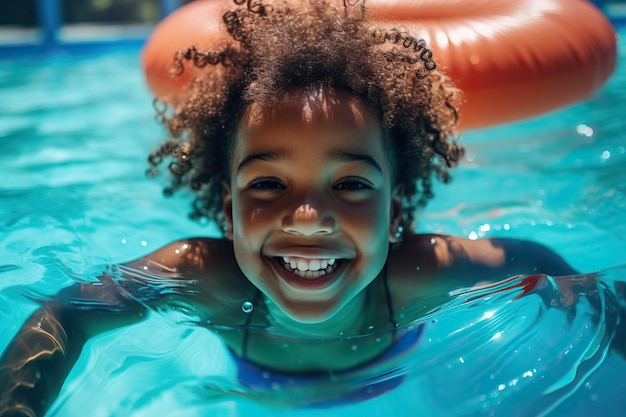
column 260, row 379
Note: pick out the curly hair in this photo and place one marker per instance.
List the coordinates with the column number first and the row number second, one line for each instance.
column 273, row 47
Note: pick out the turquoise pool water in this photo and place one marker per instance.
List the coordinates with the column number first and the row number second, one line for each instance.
column 74, row 135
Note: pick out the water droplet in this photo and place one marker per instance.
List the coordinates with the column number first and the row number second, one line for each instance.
column 354, row 347
column 144, row 243
column 378, row 340
column 584, row 130
column 370, row 327
column 247, row 307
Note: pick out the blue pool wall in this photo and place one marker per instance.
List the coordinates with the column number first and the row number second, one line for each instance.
column 50, row 23
column 50, row 12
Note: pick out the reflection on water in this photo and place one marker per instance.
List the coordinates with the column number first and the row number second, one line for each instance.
column 522, row 346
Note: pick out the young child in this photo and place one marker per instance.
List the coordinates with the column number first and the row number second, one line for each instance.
column 311, row 138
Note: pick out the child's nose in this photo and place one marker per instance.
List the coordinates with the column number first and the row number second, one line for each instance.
column 306, row 220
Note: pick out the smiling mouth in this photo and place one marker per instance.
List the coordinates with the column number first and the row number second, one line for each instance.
column 310, row 269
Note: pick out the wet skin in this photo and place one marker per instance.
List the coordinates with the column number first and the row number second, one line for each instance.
column 311, row 194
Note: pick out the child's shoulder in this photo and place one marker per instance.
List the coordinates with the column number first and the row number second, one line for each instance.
column 504, row 255
column 210, row 263
column 204, row 270
column 423, row 262
column 436, row 252
column 193, row 257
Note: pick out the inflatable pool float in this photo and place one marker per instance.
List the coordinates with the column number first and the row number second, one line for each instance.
column 513, row 59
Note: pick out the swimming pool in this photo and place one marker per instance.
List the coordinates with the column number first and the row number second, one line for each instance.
column 74, row 197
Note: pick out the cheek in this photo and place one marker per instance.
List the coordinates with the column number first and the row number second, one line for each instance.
column 247, row 216
column 368, row 226
column 244, row 222
column 253, row 217
column 372, row 217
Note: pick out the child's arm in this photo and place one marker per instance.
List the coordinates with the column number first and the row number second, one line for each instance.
column 34, row 366
column 36, row 362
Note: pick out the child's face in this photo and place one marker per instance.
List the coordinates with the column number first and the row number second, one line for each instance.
column 311, row 192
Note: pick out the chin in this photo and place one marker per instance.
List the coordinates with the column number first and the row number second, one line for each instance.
column 306, row 313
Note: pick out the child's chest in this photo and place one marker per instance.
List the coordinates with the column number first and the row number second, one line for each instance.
column 259, row 340
column 306, row 355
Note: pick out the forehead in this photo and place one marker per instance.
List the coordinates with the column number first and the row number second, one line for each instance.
column 322, row 122
column 311, row 107
column 322, row 125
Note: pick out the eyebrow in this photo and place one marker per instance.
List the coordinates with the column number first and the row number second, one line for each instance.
column 343, row 156
column 335, row 155
column 262, row 156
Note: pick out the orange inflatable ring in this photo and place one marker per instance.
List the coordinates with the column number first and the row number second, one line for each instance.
column 512, row 58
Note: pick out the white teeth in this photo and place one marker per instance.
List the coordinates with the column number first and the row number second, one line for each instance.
column 314, row 265
column 309, row 265
column 291, row 262
column 309, row 274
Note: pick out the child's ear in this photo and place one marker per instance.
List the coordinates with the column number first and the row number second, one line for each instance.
column 395, row 227
column 227, row 208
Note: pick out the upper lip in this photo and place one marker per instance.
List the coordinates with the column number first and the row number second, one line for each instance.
column 309, row 253
column 316, row 250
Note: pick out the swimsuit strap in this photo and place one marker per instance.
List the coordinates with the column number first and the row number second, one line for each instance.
column 246, row 330
column 390, row 312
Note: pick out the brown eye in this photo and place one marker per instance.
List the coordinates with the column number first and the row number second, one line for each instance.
column 353, row 184
column 265, row 184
